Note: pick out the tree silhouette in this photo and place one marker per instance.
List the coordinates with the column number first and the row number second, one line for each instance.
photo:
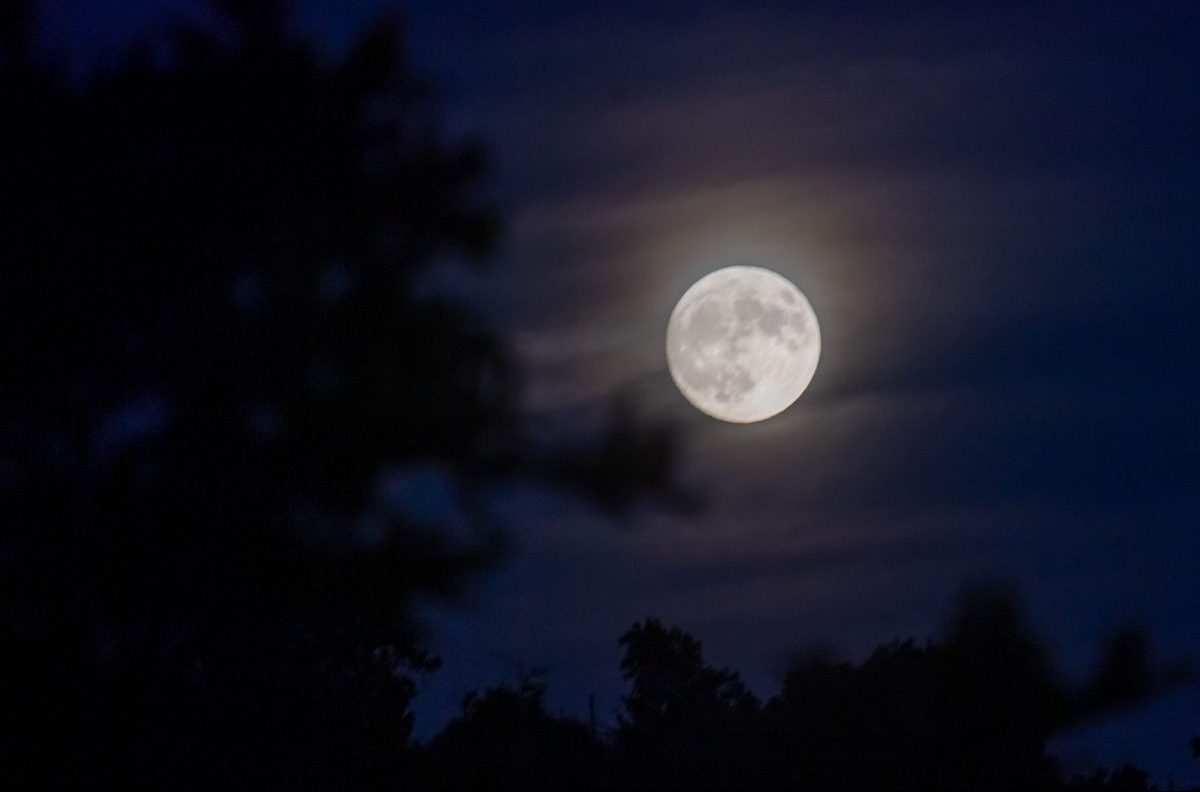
column 685, row 723
column 220, row 352
column 505, row 739
column 973, row 710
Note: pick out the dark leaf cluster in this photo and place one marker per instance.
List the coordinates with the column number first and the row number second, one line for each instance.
column 220, row 353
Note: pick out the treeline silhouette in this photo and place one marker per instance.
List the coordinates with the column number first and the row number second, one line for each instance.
column 971, row 710
column 221, row 352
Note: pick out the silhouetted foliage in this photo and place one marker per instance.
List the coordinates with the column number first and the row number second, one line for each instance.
column 686, row 724
column 213, row 316
column 505, row 739
column 972, row 710
column 982, row 701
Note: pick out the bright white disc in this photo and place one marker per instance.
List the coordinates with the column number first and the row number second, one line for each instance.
column 743, row 344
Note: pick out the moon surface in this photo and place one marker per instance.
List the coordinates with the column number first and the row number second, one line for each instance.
column 743, row 344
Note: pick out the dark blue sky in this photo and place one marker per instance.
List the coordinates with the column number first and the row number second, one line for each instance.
column 994, row 212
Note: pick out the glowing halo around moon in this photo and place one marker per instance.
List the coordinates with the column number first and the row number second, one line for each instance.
column 743, row 344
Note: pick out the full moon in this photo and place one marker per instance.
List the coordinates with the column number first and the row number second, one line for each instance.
column 743, row 344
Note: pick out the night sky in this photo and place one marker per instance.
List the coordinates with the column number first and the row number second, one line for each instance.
column 993, row 211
